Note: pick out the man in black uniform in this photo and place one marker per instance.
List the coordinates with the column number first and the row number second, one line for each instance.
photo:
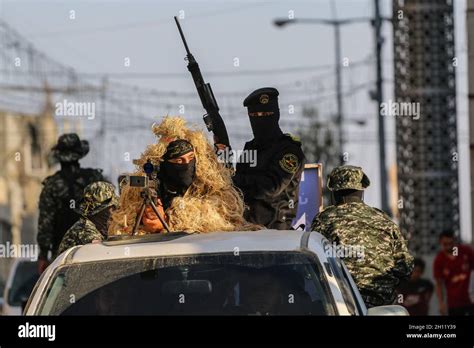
column 60, row 194
column 270, row 187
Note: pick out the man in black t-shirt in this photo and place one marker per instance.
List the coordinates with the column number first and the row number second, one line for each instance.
column 415, row 293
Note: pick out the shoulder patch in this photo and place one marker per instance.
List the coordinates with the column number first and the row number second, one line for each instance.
column 289, row 163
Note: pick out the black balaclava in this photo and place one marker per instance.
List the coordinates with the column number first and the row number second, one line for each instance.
column 264, row 114
column 100, row 220
column 265, row 128
column 178, row 176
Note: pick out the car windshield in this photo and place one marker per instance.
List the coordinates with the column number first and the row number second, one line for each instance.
column 264, row 283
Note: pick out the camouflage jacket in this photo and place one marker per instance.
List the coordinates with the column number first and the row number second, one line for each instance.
column 58, row 201
column 384, row 259
column 82, row 232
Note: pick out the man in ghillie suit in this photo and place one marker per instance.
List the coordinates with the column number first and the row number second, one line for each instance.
column 195, row 191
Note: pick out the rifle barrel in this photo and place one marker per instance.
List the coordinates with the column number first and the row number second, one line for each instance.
column 182, row 35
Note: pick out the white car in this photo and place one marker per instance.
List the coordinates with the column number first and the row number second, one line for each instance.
column 21, row 280
column 266, row 272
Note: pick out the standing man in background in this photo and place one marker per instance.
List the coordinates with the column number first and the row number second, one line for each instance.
column 417, row 291
column 452, row 269
column 60, row 194
column 270, row 187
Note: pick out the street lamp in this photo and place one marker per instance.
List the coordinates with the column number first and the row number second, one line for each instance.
column 336, row 23
column 376, row 22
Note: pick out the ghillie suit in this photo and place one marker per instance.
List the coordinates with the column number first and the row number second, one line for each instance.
column 210, row 204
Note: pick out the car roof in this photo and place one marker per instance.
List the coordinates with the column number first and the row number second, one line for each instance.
column 214, row 242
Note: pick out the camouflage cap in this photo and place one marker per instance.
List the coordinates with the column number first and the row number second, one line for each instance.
column 347, row 178
column 97, row 196
column 70, row 148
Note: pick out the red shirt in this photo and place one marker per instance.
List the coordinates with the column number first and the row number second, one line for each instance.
column 455, row 272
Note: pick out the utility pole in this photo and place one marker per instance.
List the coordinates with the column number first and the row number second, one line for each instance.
column 103, row 158
column 337, row 24
column 338, row 62
column 379, row 98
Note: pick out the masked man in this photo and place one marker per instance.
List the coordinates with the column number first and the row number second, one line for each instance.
column 96, row 206
column 61, row 192
column 175, row 175
column 194, row 190
column 270, row 186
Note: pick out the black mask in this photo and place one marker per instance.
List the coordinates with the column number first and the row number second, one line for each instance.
column 178, row 176
column 265, row 128
column 100, row 220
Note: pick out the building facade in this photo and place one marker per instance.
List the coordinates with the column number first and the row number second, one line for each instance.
column 426, row 143
column 25, row 143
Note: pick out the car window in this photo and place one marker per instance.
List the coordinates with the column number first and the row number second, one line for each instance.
column 357, row 298
column 264, row 283
column 344, row 285
column 24, row 280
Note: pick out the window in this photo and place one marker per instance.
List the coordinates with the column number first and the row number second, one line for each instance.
column 344, row 285
column 36, row 160
column 5, row 232
column 25, row 278
column 358, row 298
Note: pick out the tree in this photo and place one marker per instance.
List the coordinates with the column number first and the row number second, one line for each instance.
column 319, row 143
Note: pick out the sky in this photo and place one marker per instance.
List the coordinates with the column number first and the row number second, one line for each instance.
column 104, row 33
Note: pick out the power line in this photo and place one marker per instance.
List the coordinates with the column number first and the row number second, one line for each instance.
column 142, row 24
column 227, row 73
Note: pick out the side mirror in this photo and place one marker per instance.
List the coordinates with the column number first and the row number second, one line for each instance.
column 388, row 310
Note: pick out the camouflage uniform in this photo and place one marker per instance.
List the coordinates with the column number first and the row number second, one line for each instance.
column 97, row 197
column 82, row 232
column 355, row 224
column 56, row 214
